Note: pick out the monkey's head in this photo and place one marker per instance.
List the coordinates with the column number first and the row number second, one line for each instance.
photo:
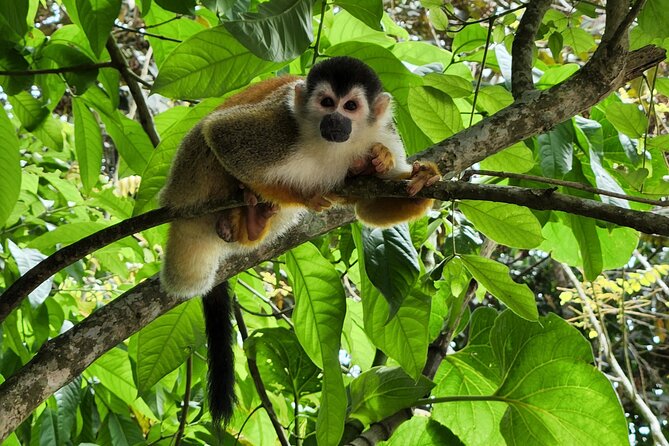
column 342, row 96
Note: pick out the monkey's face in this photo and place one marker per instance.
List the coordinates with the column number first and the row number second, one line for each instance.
column 340, row 117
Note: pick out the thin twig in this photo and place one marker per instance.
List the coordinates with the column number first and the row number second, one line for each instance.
column 570, row 184
column 257, row 380
column 186, row 402
column 144, row 33
column 70, row 69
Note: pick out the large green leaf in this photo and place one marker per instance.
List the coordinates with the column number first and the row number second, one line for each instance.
column 114, row 372
column 627, row 119
column 10, row 169
column 12, row 60
column 70, row 55
column 64, row 235
column 518, row 158
column 165, row 343
column 88, row 143
column 473, row 370
column 319, row 311
column 153, row 177
column 508, row 224
column 370, row 12
column 556, row 150
column 13, row 23
column 494, row 276
column 178, row 6
column 283, row 363
column 30, row 111
column 348, row 28
column 391, row 263
column 382, row 391
column 555, row 396
column 96, row 18
column 454, row 86
column 281, row 30
column 436, row 112
column 584, row 230
column 654, row 19
column 405, row 336
column 118, row 430
column 67, row 400
column 421, row 431
column 210, row 63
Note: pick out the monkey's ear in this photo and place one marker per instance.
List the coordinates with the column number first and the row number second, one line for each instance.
column 381, row 103
column 300, row 94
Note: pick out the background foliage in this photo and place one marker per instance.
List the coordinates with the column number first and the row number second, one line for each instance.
column 339, row 328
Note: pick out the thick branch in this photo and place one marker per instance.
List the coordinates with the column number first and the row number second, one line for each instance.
column 523, row 46
column 145, row 117
column 62, row 359
column 536, row 112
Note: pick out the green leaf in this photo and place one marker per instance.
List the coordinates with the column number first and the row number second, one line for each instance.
column 471, row 37
column 67, row 400
column 30, row 111
column 163, row 24
column 347, row 29
column 627, row 119
column 474, row 370
column 654, row 19
column 45, row 431
column 578, row 39
column 494, row 98
column 421, row 431
column 518, row 158
column 508, row 224
column 382, row 391
column 584, row 230
column 13, row 23
column 178, row 6
column 435, row 113
column 64, row 235
column 113, row 371
column 88, row 143
column 165, row 343
column 281, row 30
column 370, row 12
column 556, row 150
column 69, row 55
column 119, row 430
column 320, row 308
column 12, row 60
column 153, row 177
column 10, row 167
column 26, row 259
column 283, row 363
column 495, row 278
column 391, row 263
column 547, row 379
column 453, row 86
column 556, row 74
column 96, row 18
column 405, row 336
column 210, row 63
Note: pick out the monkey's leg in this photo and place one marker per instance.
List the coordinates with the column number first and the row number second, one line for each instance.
column 192, row 256
column 423, row 174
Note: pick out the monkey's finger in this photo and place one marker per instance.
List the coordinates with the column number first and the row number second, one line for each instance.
column 249, row 197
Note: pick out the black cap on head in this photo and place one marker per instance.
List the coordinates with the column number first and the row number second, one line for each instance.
column 343, row 73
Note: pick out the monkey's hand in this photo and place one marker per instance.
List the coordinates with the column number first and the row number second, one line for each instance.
column 423, row 174
column 379, row 161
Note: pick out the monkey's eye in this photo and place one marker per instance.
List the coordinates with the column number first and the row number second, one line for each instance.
column 327, row 102
column 351, row 105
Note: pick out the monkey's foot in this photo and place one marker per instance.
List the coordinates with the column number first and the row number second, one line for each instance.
column 227, row 225
column 423, row 174
column 318, row 202
column 382, row 158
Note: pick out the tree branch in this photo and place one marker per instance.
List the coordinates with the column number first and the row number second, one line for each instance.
column 145, row 117
column 71, row 69
column 258, row 382
column 62, row 359
column 523, row 46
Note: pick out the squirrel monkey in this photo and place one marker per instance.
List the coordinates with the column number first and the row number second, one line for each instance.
column 289, row 141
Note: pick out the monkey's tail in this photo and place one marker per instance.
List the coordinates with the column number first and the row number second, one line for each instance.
column 217, row 305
